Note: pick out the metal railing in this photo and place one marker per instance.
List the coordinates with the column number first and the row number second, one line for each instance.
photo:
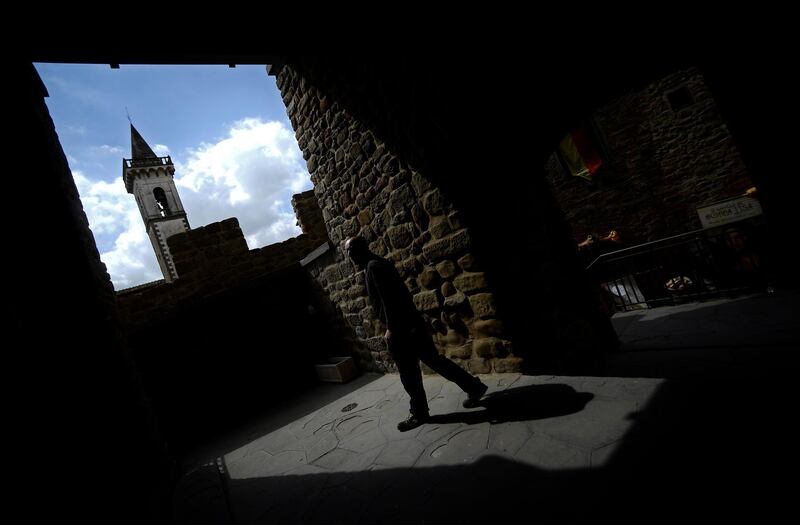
column 686, row 267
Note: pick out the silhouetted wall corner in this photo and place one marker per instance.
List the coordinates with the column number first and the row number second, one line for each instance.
column 274, row 68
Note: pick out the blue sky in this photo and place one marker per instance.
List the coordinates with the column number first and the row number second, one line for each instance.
column 226, row 129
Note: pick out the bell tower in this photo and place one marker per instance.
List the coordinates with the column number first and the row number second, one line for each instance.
column 149, row 178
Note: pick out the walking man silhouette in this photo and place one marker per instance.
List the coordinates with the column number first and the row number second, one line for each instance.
column 406, row 336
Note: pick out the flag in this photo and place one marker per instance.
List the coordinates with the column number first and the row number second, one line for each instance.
column 580, row 153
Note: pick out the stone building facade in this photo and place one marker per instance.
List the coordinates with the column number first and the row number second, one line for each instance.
column 667, row 151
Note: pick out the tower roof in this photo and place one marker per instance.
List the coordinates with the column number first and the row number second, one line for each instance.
column 139, row 148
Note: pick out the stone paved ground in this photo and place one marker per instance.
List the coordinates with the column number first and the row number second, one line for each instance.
column 665, row 434
column 539, row 422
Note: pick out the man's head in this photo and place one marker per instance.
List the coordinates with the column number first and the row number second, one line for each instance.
column 356, row 248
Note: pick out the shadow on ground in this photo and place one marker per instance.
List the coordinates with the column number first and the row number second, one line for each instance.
column 525, row 403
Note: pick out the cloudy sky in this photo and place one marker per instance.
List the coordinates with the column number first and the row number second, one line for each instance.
column 226, row 129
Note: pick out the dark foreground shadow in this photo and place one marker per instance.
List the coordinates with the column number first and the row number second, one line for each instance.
column 522, row 404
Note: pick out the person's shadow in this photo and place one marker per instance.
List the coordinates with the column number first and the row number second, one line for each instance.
column 524, row 403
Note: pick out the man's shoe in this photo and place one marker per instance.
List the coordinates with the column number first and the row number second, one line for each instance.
column 474, row 398
column 412, row 422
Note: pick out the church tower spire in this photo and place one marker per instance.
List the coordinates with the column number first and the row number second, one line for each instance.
column 149, row 178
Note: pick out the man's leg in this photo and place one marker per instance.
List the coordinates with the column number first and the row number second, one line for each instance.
column 446, row 368
column 411, row 377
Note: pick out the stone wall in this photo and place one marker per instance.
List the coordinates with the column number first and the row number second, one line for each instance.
column 309, row 215
column 212, row 361
column 214, row 258
column 367, row 188
column 234, row 333
column 660, row 164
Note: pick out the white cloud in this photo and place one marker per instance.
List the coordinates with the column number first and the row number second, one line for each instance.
column 132, row 260
column 104, row 203
column 105, row 149
column 76, row 130
column 161, row 150
column 119, row 231
column 251, row 174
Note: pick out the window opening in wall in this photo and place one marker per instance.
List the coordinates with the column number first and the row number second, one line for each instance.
column 161, row 201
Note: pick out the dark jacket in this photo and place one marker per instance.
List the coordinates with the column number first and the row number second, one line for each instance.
column 389, row 296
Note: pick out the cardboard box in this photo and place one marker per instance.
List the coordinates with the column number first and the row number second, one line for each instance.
column 336, row 369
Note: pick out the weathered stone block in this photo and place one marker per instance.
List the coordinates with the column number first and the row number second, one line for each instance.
column 426, row 301
column 368, row 314
column 400, row 236
column 447, row 269
column 454, row 244
column 452, row 338
column 454, row 300
column 350, row 228
column 409, row 267
column 488, row 347
column 434, row 203
column 467, row 262
column 507, row 365
column 351, row 211
column 439, row 227
column 353, row 319
column 365, row 217
column 376, row 344
column 357, row 291
column 420, row 183
column 362, row 201
column 400, row 217
column 378, row 247
column 399, row 254
column 470, row 282
column 483, row 305
column 429, row 279
column 488, row 328
column 460, row 352
column 419, row 243
column 479, row 366
column 402, row 198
